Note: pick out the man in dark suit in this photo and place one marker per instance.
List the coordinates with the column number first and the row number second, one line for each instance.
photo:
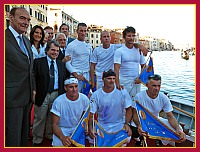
column 45, row 94
column 18, row 80
column 61, row 39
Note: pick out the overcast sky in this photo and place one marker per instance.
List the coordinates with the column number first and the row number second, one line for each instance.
column 175, row 23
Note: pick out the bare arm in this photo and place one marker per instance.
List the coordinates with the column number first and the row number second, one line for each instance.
column 137, row 123
column 129, row 115
column 66, row 140
column 143, row 50
column 116, row 69
column 173, row 122
column 79, row 77
column 91, row 130
column 92, row 68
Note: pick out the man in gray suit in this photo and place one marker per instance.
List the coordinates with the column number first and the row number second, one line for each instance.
column 18, row 84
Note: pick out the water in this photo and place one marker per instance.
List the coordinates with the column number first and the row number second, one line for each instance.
column 178, row 75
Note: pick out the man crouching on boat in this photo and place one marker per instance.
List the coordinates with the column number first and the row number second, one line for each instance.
column 113, row 107
column 155, row 101
column 66, row 112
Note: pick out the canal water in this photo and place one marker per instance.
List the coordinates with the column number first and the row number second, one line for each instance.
column 178, row 75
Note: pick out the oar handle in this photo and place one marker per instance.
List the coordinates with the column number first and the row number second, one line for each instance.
column 185, row 112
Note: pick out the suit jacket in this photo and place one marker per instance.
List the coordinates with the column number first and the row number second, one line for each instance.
column 60, row 55
column 41, row 75
column 70, row 40
column 18, row 72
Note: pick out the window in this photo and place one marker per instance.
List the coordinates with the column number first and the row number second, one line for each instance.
column 7, row 8
column 97, row 41
column 38, row 16
column 97, row 35
column 92, row 36
column 31, row 12
column 35, row 14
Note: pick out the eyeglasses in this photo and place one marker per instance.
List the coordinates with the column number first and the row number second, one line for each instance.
column 154, row 77
column 50, row 33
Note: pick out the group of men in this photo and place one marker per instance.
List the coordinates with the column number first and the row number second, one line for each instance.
column 56, row 81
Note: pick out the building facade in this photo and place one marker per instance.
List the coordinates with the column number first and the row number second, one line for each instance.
column 38, row 14
column 57, row 16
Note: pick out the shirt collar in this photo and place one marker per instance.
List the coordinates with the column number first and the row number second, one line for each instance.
column 49, row 59
column 14, row 32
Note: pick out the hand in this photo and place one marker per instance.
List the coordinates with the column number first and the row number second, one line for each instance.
column 66, row 58
column 143, row 50
column 92, row 134
column 34, row 93
column 66, row 140
column 182, row 136
column 80, row 77
column 119, row 87
column 137, row 81
column 141, row 132
column 128, row 129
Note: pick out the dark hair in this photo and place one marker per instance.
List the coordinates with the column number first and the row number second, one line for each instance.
column 48, row 27
column 127, row 30
column 49, row 44
column 32, row 33
column 108, row 73
column 14, row 9
column 81, row 24
column 63, row 24
column 154, row 77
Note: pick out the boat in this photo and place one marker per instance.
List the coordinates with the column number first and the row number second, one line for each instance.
column 185, row 55
column 184, row 112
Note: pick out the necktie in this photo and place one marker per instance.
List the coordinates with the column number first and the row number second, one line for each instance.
column 51, row 80
column 22, row 45
column 64, row 52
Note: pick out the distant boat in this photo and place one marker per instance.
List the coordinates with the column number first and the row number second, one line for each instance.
column 185, row 55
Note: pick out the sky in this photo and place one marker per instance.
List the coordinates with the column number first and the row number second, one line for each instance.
column 175, row 23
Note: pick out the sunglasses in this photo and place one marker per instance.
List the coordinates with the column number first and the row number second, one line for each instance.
column 108, row 73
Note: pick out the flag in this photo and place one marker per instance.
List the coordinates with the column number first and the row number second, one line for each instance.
column 153, row 126
column 86, row 87
column 105, row 139
column 147, row 72
column 78, row 136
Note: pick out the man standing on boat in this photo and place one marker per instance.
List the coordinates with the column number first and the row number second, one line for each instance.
column 127, row 62
column 155, row 101
column 102, row 59
column 80, row 52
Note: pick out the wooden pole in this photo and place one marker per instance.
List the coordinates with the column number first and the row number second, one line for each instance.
column 183, row 111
